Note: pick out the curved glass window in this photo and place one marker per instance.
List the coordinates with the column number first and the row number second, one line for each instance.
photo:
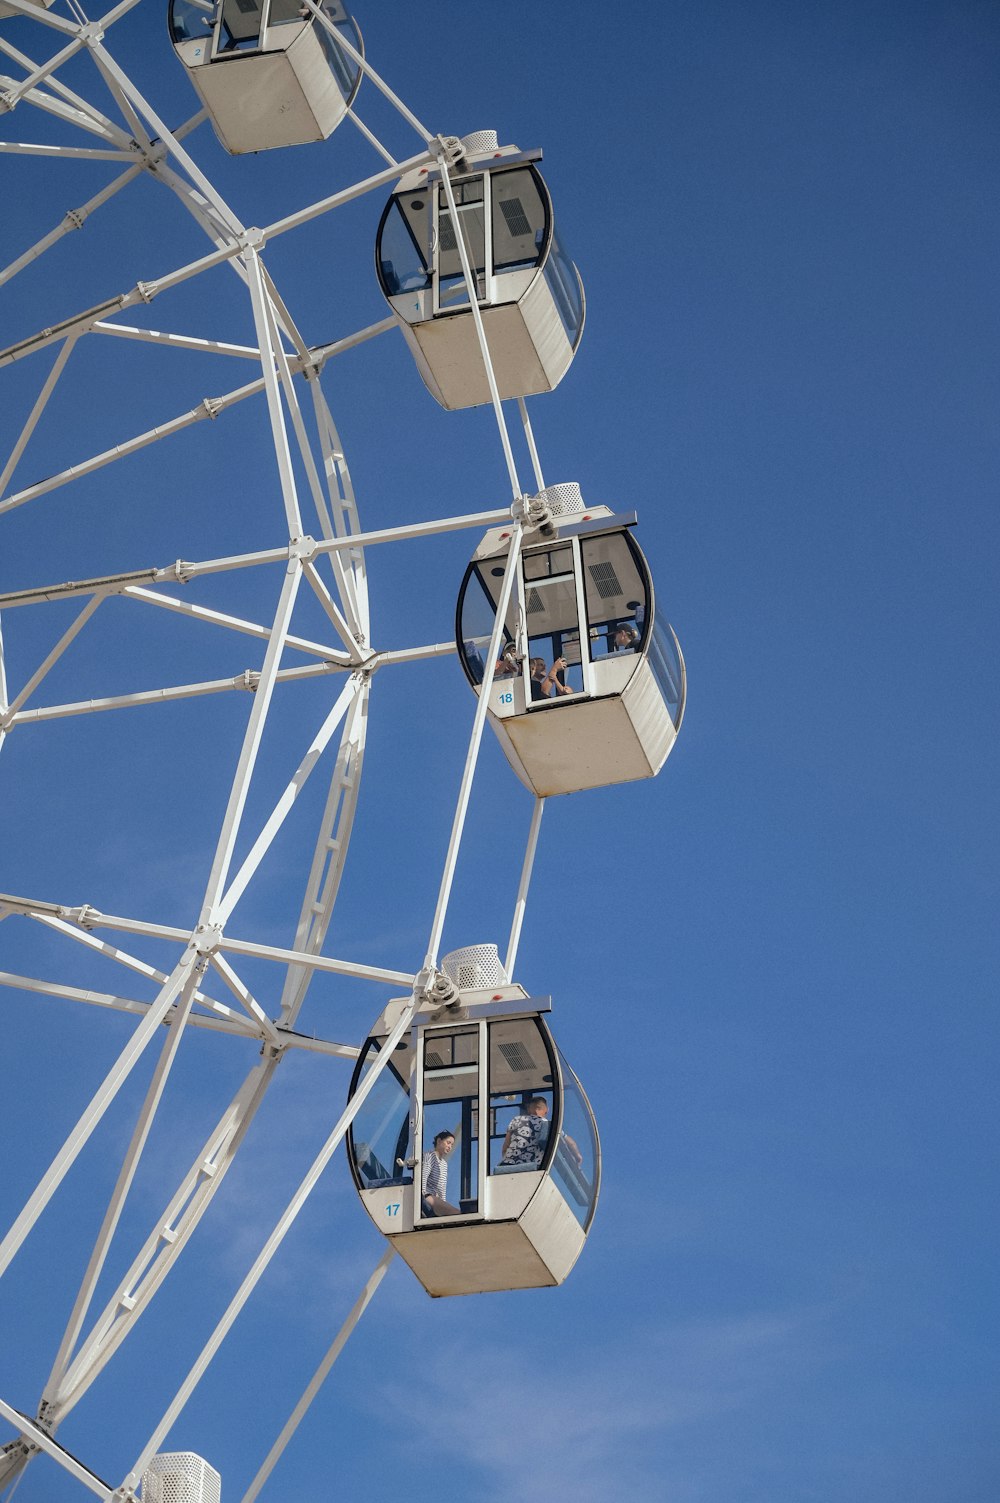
column 567, row 290
column 190, row 18
column 520, row 219
column 576, row 1164
column 668, row 668
column 617, row 592
column 403, row 255
column 378, row 1140
column 345, row 70
column 477, row 609
column 523, row 1095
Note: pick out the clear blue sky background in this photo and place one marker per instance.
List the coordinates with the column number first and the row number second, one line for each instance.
column 774, row 967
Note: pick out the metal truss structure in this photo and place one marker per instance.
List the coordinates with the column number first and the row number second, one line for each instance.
column 324, row 558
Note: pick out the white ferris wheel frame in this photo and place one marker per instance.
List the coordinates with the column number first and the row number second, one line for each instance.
column 145, row 144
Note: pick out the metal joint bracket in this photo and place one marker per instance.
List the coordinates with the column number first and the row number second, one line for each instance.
column 86, row 916
column 75, row 218
column 437, row 989
column 449, row 151
column 252, row 239
column 181, row 571
column 535, row 515
column 92, row 33
column 211, row 406
column 8, row 102
column 146, row 290
column 302, row 548
column 207, row 938
column 248, row 679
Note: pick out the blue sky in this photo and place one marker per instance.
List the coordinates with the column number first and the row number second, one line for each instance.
column 773, row 967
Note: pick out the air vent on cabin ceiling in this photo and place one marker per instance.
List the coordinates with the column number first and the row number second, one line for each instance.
column 515, row 218
column 517, row 1057
column 606, row 581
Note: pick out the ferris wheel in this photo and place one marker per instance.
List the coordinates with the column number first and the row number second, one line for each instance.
column 471, row 1142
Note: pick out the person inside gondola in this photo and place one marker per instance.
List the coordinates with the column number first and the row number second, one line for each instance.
column 546, row 684
column 434, row 1178
column 527, row 1136
column 626, row 638
column 508, row 663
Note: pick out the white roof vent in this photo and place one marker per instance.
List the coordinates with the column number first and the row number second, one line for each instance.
column 480, row 143
column 180, row 1477
column 475, row 968
column 563, row 500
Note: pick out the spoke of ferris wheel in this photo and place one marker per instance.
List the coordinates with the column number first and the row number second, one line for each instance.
column 94, row 918
column 146, row 291
column 472, row 756
column 132, row 120
column 270, row 353
column 64, row 641
column 329, row 606
column 246, row 999
column 29, row 149
column 369, row 72
column 41, row 72
column 371, row 138
column 536, row 464
column 340, row 517
column 74, row 219
column 252, row 738
column 113, row 72
column 95, row 1110
column 348, row 630
column 461, row 240
column 130, row 1163
column 93, row 123
column 270, row 1247
column 329, row 855
column 224, row 905
column 3, row 707
column 183, row 570
column 81, row 112
column 522, row 889
column 233, row 623
column 245, row 682
column 44, row 1442
column 319, row 1377
column 166, row 1242
column 178, row 341
column 382, row 179
column 130, row 962
column 208, row 408
column 48, row 387
column 234, row 1023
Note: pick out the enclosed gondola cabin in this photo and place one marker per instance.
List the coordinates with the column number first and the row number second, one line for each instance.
column 514, row 1131
column 589, row 687
column 529, row 292
column 267, row 71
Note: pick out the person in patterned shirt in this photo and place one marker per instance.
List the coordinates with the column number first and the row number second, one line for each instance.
column 527, row 1135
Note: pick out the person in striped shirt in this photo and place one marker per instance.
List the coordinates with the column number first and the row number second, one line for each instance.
column 434, row 1178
